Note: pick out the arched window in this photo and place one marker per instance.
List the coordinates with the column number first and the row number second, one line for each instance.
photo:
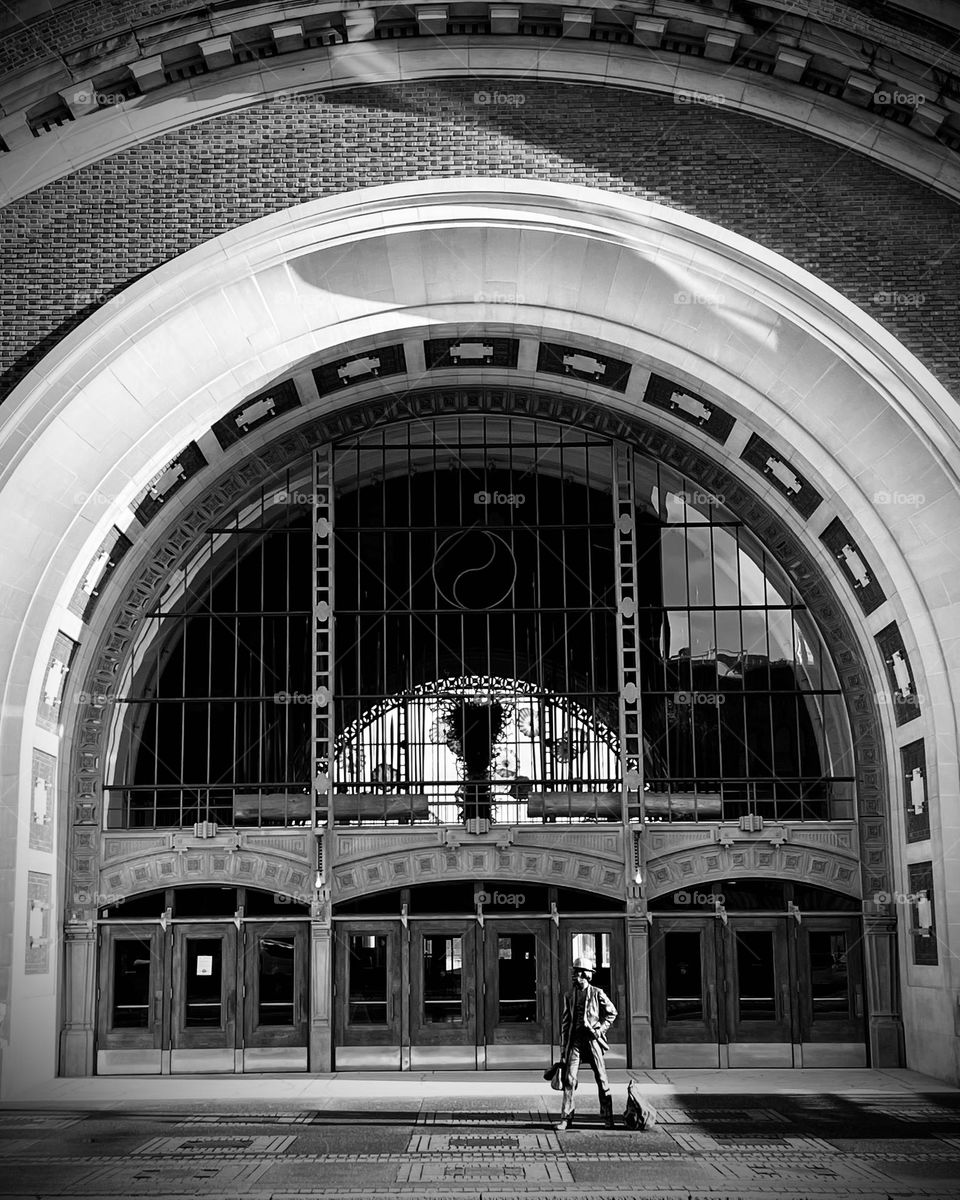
column 477, row 649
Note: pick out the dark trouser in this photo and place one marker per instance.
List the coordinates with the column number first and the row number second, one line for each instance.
column 583, row 1046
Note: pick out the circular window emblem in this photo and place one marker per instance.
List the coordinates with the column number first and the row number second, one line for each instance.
column 474, row 569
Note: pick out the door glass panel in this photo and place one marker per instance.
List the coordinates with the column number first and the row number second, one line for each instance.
column 517, row 978
column 131, row 983
column 368, row 979
column 596, row 947
column 442, row 980
column 828, row 975
column 203, row 999
column 275, row 981
column 683, row 977
column 755, row 972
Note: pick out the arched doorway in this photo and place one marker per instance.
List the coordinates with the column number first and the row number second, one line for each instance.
column 738, row 388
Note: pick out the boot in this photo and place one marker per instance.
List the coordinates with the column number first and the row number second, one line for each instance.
column 565, row 1122
column 606, row 1111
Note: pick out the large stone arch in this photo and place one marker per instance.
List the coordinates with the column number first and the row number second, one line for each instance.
column 835, row 395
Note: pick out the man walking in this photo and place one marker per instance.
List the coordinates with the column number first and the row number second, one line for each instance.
column 587, row 1015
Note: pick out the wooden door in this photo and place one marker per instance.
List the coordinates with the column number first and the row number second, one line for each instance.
column 368, row 992
column 275, row 999
column 517, row 987
column 760, row 1017
column 130, row 1018
column 687, row 1003
column 443, row 994
column 830, row 974
column 203, row 1023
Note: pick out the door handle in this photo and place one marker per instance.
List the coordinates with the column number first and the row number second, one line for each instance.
column 710, row 1002
column 858, row 1001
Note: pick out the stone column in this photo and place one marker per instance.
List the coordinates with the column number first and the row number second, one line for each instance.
column 640, row 1034
column 79, row 995
column 321, row 987
column 885, row 1021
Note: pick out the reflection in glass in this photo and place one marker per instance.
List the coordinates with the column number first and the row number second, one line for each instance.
column 517, row 978
column 367, row 979
column 683, row 978
column 131, row 983
column 275, row 981
column 596, row 948
column 829, row 985
column 203, row 993
column 442, row 980
column 755, row 975
column 726, row 556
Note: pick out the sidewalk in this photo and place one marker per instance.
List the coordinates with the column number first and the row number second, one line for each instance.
column 467, row 1087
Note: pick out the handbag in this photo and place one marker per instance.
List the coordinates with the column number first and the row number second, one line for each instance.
column 639, row 1113
column 555, row 1075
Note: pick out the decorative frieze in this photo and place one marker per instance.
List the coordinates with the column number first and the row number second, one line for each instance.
column 256, row 411
column 42, row 791
column 54, row 681
column 39, row 900
column 916, row 798
column 902, row 695
column 557, row 359
column 171, row 868
column 500, row 352
column 824, row 868
column 561, row 866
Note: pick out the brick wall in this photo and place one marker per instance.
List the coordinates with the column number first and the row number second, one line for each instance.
column 888, row 244
column 77, row 25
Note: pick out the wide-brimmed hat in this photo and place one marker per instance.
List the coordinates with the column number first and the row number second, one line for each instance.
column 583, row 964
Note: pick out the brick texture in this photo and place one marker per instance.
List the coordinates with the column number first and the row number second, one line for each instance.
column 888, row 244
column 78, row 25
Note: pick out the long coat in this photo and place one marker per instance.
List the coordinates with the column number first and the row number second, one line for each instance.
column 598, row 1015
